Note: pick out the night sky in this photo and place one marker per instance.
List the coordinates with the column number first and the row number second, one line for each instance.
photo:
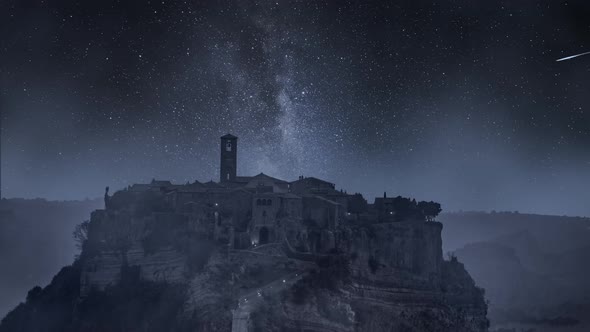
column 460, row 102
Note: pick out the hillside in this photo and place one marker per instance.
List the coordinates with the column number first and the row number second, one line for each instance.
column 555, row 233
column 534, row 268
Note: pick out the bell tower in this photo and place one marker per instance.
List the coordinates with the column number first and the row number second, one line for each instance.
column 229, row 158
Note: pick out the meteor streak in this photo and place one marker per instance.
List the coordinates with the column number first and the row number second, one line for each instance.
column 572, row 56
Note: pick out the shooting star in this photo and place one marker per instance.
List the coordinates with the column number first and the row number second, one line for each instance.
column 572, row 56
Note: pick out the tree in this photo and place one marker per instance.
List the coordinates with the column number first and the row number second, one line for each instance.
column 405, row 208
column 81, row 234
column 34, row 293
column 429, row 209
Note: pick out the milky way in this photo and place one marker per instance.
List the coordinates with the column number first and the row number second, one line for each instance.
column 459, row 102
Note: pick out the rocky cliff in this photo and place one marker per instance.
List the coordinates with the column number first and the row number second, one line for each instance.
column 384, row 277
column 140, row 270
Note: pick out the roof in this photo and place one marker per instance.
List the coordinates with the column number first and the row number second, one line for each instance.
column 313, row 179
column 191, row 187
column 229, row 136
column 160, row 183
column 210, row 184
column 273, row 194
column 139, row 187
column 262, row 175
column 243, row 179
column 333, row 192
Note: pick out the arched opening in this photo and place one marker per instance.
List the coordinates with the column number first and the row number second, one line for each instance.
column 258, row 202
column 263, row 236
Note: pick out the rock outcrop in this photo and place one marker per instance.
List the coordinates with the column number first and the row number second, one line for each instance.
column 353, row 277
column 104, row 269
column 383, row 277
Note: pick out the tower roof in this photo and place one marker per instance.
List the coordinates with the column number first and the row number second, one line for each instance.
column 230, row 136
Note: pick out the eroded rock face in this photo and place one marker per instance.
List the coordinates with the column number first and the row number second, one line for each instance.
column 391, row 277
column 118, row 240
column 104, row 269
column 371, row 277
column 403, row 254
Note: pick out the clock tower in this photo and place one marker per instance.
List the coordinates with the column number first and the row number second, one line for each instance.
column 229, row 158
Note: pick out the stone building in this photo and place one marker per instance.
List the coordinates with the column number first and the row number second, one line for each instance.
column 251, row 207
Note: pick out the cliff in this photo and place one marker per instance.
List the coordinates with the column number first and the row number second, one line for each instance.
column 145, row 266
column 386, row 277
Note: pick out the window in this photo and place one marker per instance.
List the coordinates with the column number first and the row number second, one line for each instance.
column 227, row 177
column 228, row 145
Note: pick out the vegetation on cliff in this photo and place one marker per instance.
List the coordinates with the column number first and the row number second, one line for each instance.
column 130, row 305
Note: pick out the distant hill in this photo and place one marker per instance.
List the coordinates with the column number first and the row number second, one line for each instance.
column 534, row 268
column 35, row 242
column 554, row 233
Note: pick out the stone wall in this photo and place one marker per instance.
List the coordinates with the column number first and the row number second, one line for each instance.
column 395, row 253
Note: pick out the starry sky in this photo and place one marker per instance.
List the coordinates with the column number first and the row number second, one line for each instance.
column 456, row 101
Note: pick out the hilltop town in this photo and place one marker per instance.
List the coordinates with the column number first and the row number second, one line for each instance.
column 258, row 253
column 247, row 211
